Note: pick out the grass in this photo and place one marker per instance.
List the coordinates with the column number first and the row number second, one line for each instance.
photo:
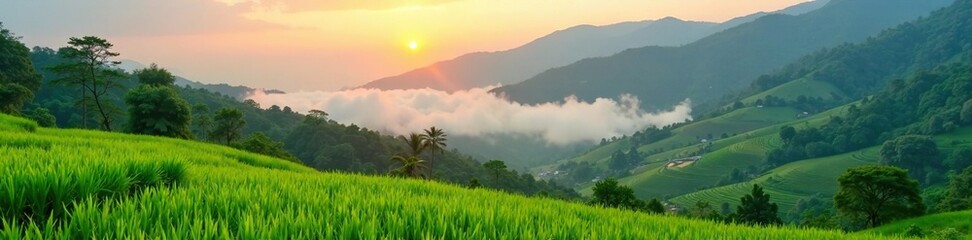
column 740, row 151
column 739, row 121
column 789, row 183
column 961, row 221
column 790, row 91
column 74, row 184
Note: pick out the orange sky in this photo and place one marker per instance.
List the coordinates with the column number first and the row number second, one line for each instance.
column 326, row 45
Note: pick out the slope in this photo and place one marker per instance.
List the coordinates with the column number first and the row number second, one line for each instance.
column 87, row 184
column 558, row 49
column 713, row 66
column 960, row 221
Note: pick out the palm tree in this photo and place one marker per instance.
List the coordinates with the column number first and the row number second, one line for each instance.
column 435, row 139
column 415, row 142
column 411, row 166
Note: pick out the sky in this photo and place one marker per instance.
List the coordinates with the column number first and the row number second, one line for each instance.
column 304, row 45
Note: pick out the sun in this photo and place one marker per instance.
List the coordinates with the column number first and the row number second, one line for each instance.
column 413, row 45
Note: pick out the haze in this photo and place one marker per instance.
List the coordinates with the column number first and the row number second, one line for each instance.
column 328, row 45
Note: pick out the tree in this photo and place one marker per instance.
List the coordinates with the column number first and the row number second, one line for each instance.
column 155, row 76
column 608, row 193
column 159, row 111
column 959, row 195
column 261, row 144
column 655, row 206
column 878, row 194
column 435, row 139
column 474, row 183
column 415, row 143
column 917, row 154
column 755, row 208
column 787, row 133
column 704, row 210
column 18, row 78
column 43, row 117
column 202, row 121
column 497, row 167
column 411, row 163
column 961, row 158
column 411, row 166
column 155, row 108
column 13, row 97
column 89, row 66
column 228, row 125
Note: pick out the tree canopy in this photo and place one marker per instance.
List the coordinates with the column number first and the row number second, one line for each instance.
column 18, row 78
column 609, row 193
column 878, row 194
column 756, row 208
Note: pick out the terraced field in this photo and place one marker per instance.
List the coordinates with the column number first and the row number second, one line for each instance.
column 77, row 184
column 802, row 87
column 789, row 183
column 686, row 138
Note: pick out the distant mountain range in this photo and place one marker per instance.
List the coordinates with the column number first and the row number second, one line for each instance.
column 721, row 63
column 561, row 48
column 236, row 92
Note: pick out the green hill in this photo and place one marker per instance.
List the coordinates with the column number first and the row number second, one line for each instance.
column 741, row 151
column 960, row 221
column 802, row 179
column 74, row 184
column 728, row 61
column 789, row 183
column 790, row 91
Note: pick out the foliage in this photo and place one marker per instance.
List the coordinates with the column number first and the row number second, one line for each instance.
column 43, row 117
column 261, row 144
column 435, row 140
column 158, row 110
column 903, row 108
column 155, row 76
column 917, row 154
column 411, row 166
column 202, row 121
column 496, row 166
column 228, row 124
column 914, row 231
column 960, row 158
column 18, row 78
column 959, row 195
column 877, row 194
column 88, row 64
column 655, row 206
column 703, row 210
column 755, row 208
column 608, row 193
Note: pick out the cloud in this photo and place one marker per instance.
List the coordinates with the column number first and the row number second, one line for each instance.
column 478, row 113
column 332, row 5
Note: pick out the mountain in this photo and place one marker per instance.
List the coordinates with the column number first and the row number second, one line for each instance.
column 716, row 65
column 933, row 52
column 237, row 92
column 75, row 184
column 558, row 49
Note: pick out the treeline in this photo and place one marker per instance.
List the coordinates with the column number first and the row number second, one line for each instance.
column 862, row 69
column 80, row 86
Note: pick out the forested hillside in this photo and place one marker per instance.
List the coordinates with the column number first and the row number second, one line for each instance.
column 313, row 140
column 719, row 64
